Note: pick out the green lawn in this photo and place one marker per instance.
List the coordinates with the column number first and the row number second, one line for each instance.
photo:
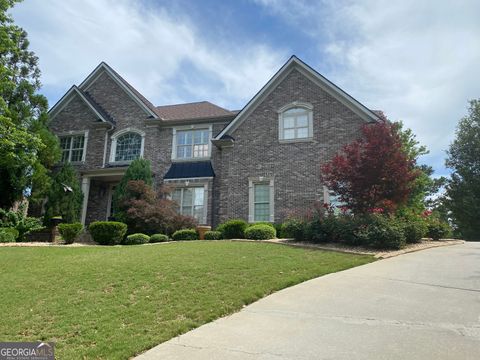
column 115, row 302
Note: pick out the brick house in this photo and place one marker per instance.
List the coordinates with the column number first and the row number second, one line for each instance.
column 257, row 164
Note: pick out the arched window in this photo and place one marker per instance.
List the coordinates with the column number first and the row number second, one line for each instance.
column 296, row 122
column 127, row 145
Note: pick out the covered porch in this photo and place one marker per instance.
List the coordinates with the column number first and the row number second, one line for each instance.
column 97, row 187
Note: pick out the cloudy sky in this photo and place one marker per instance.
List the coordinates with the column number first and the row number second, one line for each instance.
column 417, row 60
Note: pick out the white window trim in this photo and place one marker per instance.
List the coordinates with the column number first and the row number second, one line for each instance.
column 295, row 104
column 191, row 127
column 85, row 141
column 251, row 197
column 188, row 184
column 113, row 147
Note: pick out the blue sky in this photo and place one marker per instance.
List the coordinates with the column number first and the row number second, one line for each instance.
column 415, row 60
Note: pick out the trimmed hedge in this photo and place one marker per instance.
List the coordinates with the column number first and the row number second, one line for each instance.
column 136, row 239
column 185, row 234
column 415, row 230
column 294, row 228
column 8, row 234
column 383, row 232
column 14, row 232
column 233, row 229
column 70, row 231
column 438, row 230
column 156, row 238
column 108, row 232
column 213, row 235
column 260, row 232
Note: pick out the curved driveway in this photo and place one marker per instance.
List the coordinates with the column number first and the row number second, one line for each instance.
column 423, row 305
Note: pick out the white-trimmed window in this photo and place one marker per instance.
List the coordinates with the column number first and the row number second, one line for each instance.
column 295, row 122
column 190, row 143
column 191, row 201
column 73, row 147
column 127, row 145
column 260, row 200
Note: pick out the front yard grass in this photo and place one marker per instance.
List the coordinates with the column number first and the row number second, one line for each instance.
column 115, row 302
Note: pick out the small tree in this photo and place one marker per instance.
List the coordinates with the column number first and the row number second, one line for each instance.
column 65, row 196
column 151, row 212
column 139, row 169
column 372, row 171
column 463, row 189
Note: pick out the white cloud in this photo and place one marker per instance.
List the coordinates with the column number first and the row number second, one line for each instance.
column 154, row 49
column 416, row 60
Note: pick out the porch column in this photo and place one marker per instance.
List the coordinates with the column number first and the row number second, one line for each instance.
column 86, row 191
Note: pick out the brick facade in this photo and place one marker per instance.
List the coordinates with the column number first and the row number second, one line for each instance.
column 256, row 152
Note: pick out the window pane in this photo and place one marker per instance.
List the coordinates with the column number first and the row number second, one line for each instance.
column 289, row 134
column 200, row 137
column 65, row 142
column 187, row 196
column 65, row 155
column 78, row 142
column 262, row 193
column 200, row 150
column 177, row 196
column 184, row 151
column 198, row 213
column 262, row 212
column 295, row 111
column 302, row 121
column 187, row 210
column 302, row 133
column 128, row 147
column 288, row 122
column 76, row 155
column 199, row 191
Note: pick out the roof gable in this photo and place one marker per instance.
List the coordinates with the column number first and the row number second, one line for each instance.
column 146, row 105
column 325, row 84
column 69, row 95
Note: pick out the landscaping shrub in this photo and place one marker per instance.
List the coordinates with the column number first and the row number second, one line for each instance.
column 383, row 232
column 438, row 230
column 107, row 232
column 260, row 232
column 70, row 231
column 294, row 228
column 233, row 229
column 278, row 229
column 136, row 239
column 23, row 224
column 414, row 229
column 185, row 234
column 213, row 235
column 8, row 235
column 156, row 238
column 11, row 230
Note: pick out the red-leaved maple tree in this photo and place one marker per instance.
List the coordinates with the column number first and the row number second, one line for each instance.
column 372, row 172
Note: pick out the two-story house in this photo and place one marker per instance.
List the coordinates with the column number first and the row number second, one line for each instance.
column 257, row 164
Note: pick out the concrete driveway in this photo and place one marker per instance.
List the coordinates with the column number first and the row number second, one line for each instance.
column 423, row 305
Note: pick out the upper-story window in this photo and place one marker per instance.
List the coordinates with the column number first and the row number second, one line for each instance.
column 296, row 122
column 127, row 145
column 191, row 143
column 73, row 147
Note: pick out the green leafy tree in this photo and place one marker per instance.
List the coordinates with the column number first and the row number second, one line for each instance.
column 65, row 197
column 463, row 188
column 424, row 186
column 27, row 147
column 139, row 169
